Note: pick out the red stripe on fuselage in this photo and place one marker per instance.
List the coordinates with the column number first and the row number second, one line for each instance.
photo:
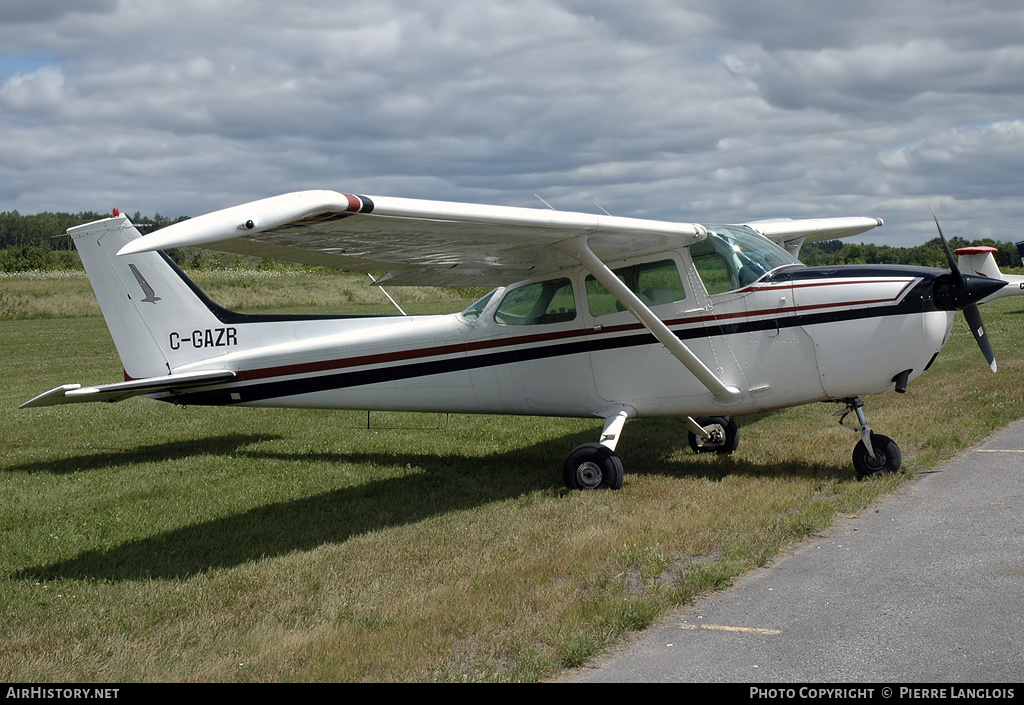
column 404, row 355
column 490, row 344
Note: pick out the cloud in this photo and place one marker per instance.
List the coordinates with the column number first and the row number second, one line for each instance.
column 38, row 93
column 33, row 11
column 709, row 110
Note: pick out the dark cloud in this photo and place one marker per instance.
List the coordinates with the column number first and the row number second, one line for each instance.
column 27, row 11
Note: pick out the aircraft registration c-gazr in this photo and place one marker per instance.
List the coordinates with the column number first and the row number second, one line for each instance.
column 592, row 316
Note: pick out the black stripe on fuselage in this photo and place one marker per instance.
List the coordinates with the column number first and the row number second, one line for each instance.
column 918, row 300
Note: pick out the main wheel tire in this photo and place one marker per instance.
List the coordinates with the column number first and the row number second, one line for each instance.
column 725, row 435
column 591, row 466
column 888, row 457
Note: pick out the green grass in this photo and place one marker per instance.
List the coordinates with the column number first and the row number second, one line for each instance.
column 147, row 542
column 32, row 295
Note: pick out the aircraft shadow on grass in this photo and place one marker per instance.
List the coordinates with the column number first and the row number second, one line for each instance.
column 215, row 445
column 443, row 483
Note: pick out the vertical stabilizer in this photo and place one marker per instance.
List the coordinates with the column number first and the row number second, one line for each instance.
column 143, row 297
column 978, row 260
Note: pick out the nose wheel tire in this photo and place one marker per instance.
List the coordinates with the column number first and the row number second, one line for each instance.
column 725, row 435
column 591, row 466
column 887, row 458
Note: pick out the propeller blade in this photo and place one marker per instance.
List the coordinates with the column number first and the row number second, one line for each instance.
column 969, row 292
column 973, row 317
column 958, row 277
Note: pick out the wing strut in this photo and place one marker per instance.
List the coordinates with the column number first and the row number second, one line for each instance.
column 385, row 292
column 723, row 393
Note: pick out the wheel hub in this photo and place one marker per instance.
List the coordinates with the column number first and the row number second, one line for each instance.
column 716, row 437
column 589, row 475
column 878, row 461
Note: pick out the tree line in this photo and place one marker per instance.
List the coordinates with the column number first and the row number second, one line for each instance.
column 39, row 243
column 930, row 254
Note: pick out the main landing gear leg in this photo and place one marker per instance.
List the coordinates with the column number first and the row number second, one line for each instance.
column 594, row 466
column 874, row 453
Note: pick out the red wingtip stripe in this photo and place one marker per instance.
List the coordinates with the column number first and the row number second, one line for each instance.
column 358, row 204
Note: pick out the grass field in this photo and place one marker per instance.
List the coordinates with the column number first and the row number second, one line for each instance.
column 148, row 542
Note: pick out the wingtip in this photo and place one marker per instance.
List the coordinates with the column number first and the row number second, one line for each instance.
column 134, row 247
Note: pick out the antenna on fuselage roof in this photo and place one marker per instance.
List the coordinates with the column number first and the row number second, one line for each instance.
column 387, row 294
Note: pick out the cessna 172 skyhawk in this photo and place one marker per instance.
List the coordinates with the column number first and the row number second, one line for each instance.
column 593, row 315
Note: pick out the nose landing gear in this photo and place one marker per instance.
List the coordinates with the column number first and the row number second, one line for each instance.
column 874, row 453
column 718, row 434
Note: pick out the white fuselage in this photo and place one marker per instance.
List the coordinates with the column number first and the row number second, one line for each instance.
column 785, row 340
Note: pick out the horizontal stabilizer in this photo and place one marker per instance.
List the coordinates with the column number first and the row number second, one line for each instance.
column 76, row 393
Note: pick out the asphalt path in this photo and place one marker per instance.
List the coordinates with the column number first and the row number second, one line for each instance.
column 925, row 586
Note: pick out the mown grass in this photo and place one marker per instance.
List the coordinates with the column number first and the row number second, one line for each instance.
column 33, row 295
column 146, row 542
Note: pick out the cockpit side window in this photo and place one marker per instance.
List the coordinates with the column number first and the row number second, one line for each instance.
column 539, row 303
column 714, row 271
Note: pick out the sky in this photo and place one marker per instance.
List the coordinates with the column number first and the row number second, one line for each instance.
column 716, row 111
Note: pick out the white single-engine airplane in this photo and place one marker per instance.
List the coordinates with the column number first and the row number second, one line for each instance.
column 601, row 316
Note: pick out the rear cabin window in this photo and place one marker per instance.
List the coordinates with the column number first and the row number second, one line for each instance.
column 653, row 282
column 536, row 304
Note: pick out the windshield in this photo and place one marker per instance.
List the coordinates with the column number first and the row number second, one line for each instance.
column 733, row 257
column 477, row 307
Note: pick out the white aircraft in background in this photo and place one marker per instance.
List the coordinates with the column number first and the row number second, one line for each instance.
column 601, row 316
column 979, row 260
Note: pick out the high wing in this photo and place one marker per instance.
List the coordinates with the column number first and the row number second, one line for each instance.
column 417, row 241
column 791, row 234
column 442, row 243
